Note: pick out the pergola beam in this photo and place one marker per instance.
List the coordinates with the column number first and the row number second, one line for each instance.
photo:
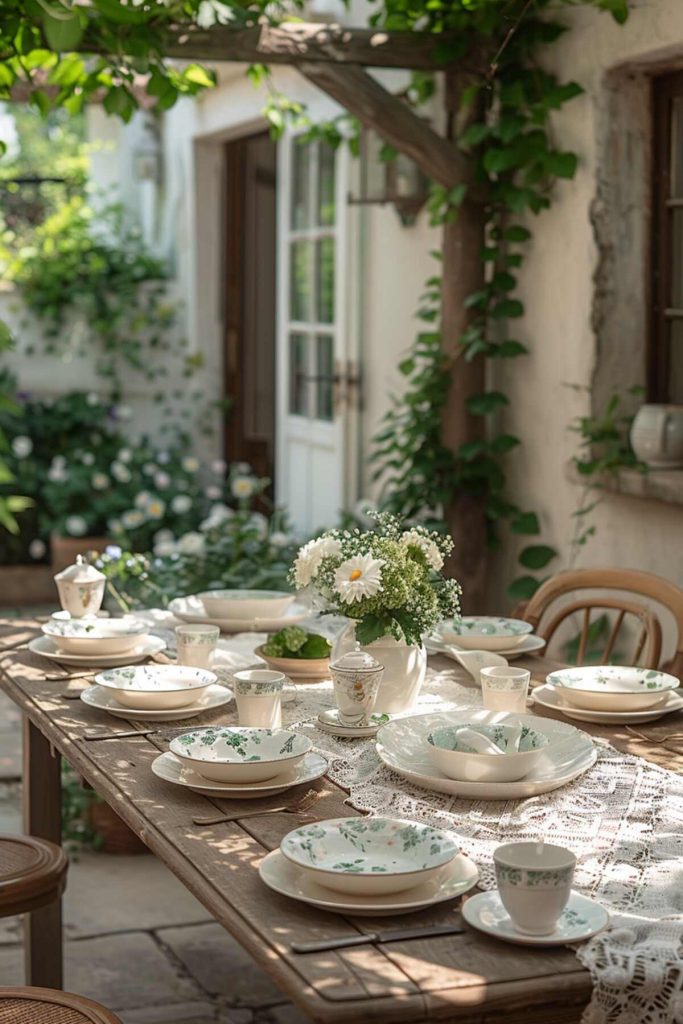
column 392, row 119
column 291, row 43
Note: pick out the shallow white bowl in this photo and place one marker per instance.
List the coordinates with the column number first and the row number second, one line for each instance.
column 156, row 687
column 245, row 604
column 459, row 761
column 95, row 635
column 612, row 687
column 485, row 632
column 240, row 755
column 369, row 856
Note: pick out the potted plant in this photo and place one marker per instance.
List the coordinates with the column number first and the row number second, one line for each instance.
column 388, row 583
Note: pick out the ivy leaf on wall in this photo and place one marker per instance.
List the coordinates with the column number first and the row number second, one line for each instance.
column 526, row 523
column 537, row 556
column 523, row 588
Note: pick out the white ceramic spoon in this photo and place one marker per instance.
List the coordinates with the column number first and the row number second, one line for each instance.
column 482, row 744
column 513, row 741
column 475, row 661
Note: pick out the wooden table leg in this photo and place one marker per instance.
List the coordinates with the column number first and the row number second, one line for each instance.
column 42, row 807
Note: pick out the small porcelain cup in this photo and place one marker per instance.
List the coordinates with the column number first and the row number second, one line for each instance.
column 504, row 688
column 534, row 882
column 258, row 693
column 196, row 644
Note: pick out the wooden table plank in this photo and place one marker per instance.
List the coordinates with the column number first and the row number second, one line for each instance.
column 465, row 978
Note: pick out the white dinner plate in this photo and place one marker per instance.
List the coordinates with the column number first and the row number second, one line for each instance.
column 191, row 609
column 47, row 648
column 403, row 747
column 168, row 767
column 97, row 697
column 284, row 877
column 530, row 644
column 579, row 920
column 548, row 697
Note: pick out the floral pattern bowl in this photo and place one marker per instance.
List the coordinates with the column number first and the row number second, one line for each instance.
column 612, row 687
column 240, row 755
column 369, row 856
column 485, row 632
column 95, row 635
column 156, row 687
column 245, row 604
column 458, row 760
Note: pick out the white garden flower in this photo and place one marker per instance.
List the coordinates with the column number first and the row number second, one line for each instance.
column 143, row 499
column 150, row 468
column 163, row 458
column 257, row 521
column 217, row 515
column 58, row 472
column 219, row 466
column 164, row 543
column 76, row 526
column 100, row 481
column 279, row 539
column 92, row 398
column 88, row 459
column 115, row 526
column 132, row 519
column 162, row 480
column 22, row 446
column 192, row 543
column 123, row 412
column 190, row 464
column 213, row 493
column 155, row 509
column 310, row 556
column 37, row 548
column 358, row 577
column 415, row 539
column 243, row 486
column 125, row 455
column 181, row 503
column 120, row 472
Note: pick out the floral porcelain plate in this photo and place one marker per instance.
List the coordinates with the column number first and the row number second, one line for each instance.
column 612, row 687
column 369, row 856
column 485, row 632
column 580, row 919
column 168, row 767
column 95, row 636
column 156, row 687
column 457, row 877
column 240, row 755
column 548, row 696
column 145, row 648
column 402, row 746
column 437, row 644
column 215, row 697
column 191, row 609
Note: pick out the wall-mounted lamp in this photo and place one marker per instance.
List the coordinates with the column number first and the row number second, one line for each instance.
column 399, row 181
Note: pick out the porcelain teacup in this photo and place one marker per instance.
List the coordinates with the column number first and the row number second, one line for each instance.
column 534, row 882
column 196, row 643
column 258, row 695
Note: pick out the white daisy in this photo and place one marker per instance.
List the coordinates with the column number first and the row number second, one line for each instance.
column 213, row 493
column 415, row 539
column 88, row 459
column 100, row 481
column 155, row 509
column 219, row 466
column 132, row 519
column 181, row 503
column 358, row 577
column 162, row 480
column 120, row 472
column 143, row 499
column 279, row 539
column 125, row 455
column 243, row 486
column 310, row 556
column 191, row 544
column 149, row 468
column 76, row 526
column 92, row 398
column 22, row 446
column 190, row 464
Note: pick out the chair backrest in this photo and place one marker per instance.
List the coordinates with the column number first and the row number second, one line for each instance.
column 645, row 585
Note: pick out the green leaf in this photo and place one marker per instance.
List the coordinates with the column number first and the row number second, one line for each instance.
column 509, row 349
column 497, row 160
column 63, row 33
column 516, row 233
column 474, row 135
column 526, row 523
column 316, row 646
column 406, row 366
column 504, row 443
column 508, row 309
column 523, row 588
column 537, row 556
column 486, row 402
column 562, row 165
column 199, row 76
column 371, row 627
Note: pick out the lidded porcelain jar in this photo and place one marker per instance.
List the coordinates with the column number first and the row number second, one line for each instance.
column 356, row 677
column 81, row 588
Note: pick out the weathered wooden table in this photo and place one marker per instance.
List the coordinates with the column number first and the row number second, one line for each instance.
column 466, row 978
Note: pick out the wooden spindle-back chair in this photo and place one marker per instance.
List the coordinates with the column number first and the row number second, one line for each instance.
column 645, row 585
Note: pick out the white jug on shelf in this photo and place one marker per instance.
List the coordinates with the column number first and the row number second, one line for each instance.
column 657, row 436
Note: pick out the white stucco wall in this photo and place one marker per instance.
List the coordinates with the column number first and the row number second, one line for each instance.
column 557, row 288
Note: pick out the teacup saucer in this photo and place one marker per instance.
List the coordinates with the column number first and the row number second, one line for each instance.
column 328, row 721
column 580, row 919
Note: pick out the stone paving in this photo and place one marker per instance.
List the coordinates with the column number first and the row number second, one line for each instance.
column 136, row 940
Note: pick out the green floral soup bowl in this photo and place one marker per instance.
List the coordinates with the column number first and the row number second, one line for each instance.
column 94, row 636
column 370, row 856
column 246, row 604
column 612, row 687
column 156, row 687
column 520, row 749
column 240, row 755
column 485, row 632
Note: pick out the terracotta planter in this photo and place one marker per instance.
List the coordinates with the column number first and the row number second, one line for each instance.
column 115, row 835
column 65, row 549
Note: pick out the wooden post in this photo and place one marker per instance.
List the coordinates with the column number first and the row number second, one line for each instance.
column 463, row 273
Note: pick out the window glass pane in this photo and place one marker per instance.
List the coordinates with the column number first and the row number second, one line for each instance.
column 300, row 281
column 298, row 368
column 326, row 160
column 324, row 280
column 676, row 363
column 324, row 404
column 301, row 192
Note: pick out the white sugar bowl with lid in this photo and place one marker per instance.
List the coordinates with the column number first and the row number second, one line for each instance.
column 356, row 677
column 81, row 588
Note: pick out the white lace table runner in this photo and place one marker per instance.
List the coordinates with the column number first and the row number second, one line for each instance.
column 623, row 819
